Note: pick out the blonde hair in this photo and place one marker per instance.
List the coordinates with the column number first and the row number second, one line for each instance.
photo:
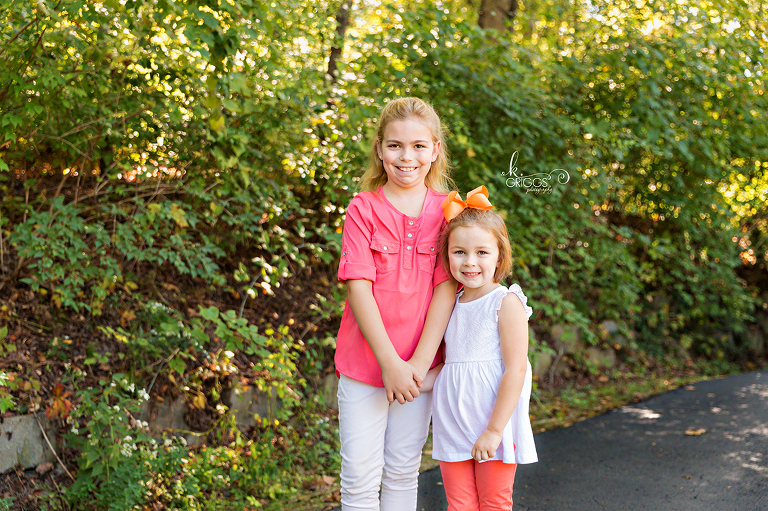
column 401, row 109
column 491, row 222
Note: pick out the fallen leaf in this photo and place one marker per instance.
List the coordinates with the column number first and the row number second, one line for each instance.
column 695, row 432
column 334, row 496
column 44, row 468
column 690, row 387
column 127, row 317
column 328, row 480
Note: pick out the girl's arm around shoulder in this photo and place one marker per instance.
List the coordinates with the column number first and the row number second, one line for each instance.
column 438, row 315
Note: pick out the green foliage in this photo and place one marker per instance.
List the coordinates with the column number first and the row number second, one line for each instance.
column 80, row 262
column 111, row 438
column 10, row 382
column 6, row 399
column 648, row 140
column 68, row 254
column 121, row 466
column 158, row 333
column 161, row 333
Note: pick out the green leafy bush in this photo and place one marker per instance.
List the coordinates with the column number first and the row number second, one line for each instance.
column 631, row 121
column 113, row 447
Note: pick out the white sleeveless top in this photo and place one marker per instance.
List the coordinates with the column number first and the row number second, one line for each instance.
column 465, row 390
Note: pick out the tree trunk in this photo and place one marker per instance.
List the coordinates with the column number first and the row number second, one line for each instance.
column 496, row 13
column 530, row 27
column 342, row 22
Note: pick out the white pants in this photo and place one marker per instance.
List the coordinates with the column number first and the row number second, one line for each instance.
column 381, row 445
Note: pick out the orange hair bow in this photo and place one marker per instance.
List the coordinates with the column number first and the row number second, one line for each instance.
column 476, row 199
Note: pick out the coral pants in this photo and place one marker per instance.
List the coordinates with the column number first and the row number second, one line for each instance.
column 474, row 486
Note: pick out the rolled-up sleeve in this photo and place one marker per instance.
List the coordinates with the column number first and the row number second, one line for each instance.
column 356, row 255
column 441, row 274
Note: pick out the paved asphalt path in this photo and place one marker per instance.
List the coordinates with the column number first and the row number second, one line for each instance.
column 639, row 457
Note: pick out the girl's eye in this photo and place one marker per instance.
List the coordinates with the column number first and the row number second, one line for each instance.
column 483, row 252
column 458, row 252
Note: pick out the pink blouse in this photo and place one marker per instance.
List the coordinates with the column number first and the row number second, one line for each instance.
column 398, row 254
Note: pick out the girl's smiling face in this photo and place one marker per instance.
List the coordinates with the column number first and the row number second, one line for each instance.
column 473, row 256
column 407, row 152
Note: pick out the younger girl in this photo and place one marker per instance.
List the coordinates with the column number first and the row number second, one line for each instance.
column 399, row 300
column 480, row 424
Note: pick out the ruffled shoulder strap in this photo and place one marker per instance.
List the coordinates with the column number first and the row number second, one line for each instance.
column 515, row 289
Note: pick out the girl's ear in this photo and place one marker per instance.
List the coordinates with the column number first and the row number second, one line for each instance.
column 378, row 150
column 436, row 150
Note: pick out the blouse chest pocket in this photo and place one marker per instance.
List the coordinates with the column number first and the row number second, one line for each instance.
column 385, row 254
column 426, row 254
